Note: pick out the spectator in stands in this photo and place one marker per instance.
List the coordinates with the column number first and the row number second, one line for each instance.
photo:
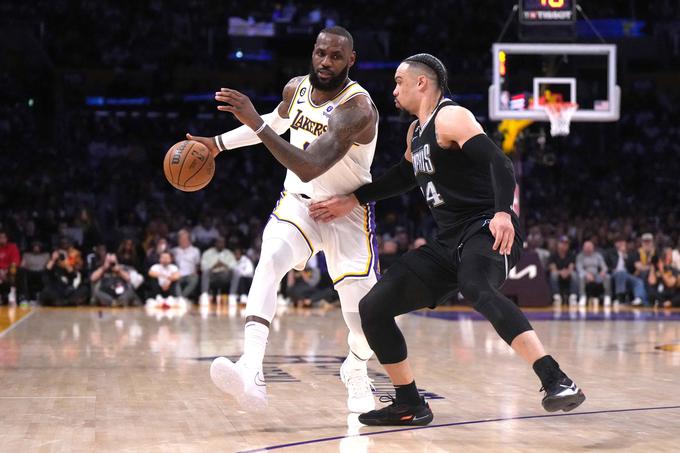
column 645, row 254
column 205, row 233
column 302, row 285
column 127, row 254
column 535, row 243
column 187, row 257
column 73, row 256
column 242, row 276
column 153, row 255
column 592, row 272
column 663, row 280
column 388, row 254
column 621, row 262
column 562, row 268
column 217, row 264
column 64, row 283
column 402, row 240
column 111, row 282
column 32, row 272
column 419, row 242
column 676, row 255
column 163, row 278
column 10, row 258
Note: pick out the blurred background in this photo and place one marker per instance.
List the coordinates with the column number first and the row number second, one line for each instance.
column 95, row 92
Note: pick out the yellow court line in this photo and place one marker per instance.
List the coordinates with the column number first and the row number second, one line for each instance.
column 10, row 316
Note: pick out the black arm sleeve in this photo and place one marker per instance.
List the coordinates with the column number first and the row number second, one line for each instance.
column 483, row 151
column 397, row 179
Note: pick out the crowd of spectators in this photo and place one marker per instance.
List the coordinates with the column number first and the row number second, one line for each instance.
column 84, row 199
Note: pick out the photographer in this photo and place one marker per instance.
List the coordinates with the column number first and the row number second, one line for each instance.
column 112, row 284
column 663, row 280
column 63, row 282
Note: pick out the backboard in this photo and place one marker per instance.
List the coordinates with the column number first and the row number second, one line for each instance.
column 525, row 76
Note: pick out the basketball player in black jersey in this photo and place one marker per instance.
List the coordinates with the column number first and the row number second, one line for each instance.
column 469, row 186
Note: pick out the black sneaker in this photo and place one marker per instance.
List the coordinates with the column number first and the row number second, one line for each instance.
column 398, row 414
column 563, row 394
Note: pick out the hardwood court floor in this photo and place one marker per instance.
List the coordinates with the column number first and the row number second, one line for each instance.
column 80, row 380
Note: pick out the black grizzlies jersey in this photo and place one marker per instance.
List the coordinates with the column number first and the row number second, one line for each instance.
column 458, row 191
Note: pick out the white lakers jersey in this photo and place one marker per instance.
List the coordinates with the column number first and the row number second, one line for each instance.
column 309, row 121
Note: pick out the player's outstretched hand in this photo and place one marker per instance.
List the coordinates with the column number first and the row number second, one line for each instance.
column 333, row 208
column 239, row 104
column 502, row 230
column 209, row 143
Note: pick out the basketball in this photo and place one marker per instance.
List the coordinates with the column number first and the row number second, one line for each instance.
column 189, row 166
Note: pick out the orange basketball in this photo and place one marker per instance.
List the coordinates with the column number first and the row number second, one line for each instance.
column 189, row 166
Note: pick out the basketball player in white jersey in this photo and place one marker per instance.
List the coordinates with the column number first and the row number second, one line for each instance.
column 333, row 131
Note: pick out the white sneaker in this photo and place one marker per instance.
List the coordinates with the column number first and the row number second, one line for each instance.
column 636, row 302
column 204, row 300
column 582, row 301
column 607, row 301
column 572, row 299
column 359, row 394
column 245, row 385
column 557, row 299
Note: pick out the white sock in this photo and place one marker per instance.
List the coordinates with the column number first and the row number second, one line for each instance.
column 255, row 343
column 354, row 362
column 351, row 292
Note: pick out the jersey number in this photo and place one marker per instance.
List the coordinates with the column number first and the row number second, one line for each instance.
column 432, row 196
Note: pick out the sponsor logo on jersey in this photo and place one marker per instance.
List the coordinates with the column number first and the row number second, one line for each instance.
column 302, row 122
column 422, row 162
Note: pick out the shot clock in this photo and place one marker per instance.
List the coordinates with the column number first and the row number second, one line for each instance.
column 541, row 20
column 554, row 12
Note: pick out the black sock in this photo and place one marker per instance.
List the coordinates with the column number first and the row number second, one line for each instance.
column 547, row 370
column 408, row 394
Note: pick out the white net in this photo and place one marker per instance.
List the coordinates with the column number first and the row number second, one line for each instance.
column 560, row 114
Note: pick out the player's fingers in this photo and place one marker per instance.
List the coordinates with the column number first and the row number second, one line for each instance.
column 511, row 241
column 504, row 241
column 326, row 218
column 232, row 92
column 189, row 136
column 497, row 238
column 316, row 213
column 225, row 98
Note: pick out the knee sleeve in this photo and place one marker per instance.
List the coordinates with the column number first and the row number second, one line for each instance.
column 399, row 292
column 277, row 257
column 351, row 292
column 502, row 313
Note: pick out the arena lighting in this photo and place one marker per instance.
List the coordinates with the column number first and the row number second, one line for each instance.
column 240, row 55
column 373, row 65
column 101, row 100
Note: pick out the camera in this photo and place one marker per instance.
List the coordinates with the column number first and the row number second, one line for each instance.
column 62, row 256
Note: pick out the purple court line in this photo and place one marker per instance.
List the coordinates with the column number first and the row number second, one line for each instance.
column 445, row 425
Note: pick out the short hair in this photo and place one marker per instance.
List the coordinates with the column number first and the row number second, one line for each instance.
column 339, row 31
column 436, row 68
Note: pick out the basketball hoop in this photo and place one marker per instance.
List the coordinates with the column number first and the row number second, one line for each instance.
column 560, row 114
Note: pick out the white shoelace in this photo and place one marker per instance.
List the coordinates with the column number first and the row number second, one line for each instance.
column 359, row 385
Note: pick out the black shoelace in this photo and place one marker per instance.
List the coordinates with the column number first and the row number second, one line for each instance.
column 387, row 398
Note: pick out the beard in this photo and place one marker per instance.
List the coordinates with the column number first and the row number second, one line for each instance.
column 404, row 115
column 331, row 84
